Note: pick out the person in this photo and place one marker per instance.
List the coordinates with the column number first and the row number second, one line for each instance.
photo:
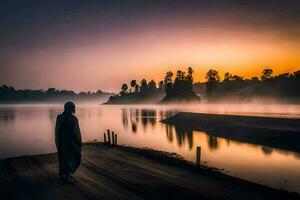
column 68, row 142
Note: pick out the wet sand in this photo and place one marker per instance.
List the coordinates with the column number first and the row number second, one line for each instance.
column 124, row 173
column 279, row 133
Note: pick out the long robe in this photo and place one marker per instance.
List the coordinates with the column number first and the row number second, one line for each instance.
column 68, row 142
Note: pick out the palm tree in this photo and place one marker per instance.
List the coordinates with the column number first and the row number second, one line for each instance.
column 266, row 74
column 136, row 88
column 124, row 88
column 180, row 75
column 190, row 72
column 168, row 77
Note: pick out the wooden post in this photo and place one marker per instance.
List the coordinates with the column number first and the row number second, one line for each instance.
column 198, row 155
column 108, row 136
column 113, row 138
column 116, row 139
column 104, row 135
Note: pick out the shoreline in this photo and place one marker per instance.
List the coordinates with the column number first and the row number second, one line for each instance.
column 280, row 133
column 123, row 172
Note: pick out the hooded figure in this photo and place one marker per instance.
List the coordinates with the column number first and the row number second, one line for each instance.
column 68, row 141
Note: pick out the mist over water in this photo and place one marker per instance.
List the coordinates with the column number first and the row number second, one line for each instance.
column 29, row 129
column 253, row 108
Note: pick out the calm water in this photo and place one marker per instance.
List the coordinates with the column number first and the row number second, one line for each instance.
column 29, row 129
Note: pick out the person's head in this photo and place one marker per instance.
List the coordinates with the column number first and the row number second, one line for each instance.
column 70, row 107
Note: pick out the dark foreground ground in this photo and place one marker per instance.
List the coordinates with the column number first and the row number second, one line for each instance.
column 279, row 133
column 124, row 173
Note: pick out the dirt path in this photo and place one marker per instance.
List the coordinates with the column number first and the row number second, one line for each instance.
column 124, row 173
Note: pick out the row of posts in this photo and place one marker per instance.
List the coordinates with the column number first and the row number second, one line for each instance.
column 112, row 138
column 198, row 155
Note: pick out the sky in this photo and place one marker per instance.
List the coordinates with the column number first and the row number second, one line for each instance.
column 100, row 44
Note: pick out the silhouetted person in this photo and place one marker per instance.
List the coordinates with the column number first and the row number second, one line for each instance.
column 68, row 141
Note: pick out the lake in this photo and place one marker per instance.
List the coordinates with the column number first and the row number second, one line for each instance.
column 29, row 129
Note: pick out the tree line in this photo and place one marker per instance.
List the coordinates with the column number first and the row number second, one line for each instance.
column 138, row 92
column 9, row 94
column 285, row 86
column 181, row 88
column 175, row 87
column 170, row 89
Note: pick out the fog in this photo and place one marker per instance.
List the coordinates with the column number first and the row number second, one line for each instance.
column 254, row 107
column 251, row 108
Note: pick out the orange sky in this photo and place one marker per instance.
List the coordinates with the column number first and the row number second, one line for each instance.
column 90, row 51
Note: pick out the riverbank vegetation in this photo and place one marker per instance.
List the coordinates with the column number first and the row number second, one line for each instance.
column 12, row 95
column 175, row 88
column 282, row 87
column 180, row 87
column 169, row 90
column 142, row 92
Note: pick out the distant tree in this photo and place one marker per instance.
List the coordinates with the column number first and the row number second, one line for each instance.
column 182, row 87
column 212, row 76
column 51, row 91
column 10, row 94
column 152, row 85
column 266, row 74
column 180, row 75
column 144, row 86
column 237, row 78
column 168, row 77
column 99, row 92
column 190, row 72
column 133, row 84
column 5, row 87
column 297, row 74
column 136, row 88
column 124, row 88
column 161, row 84
column 254, row 78
column 168, row 80
column 227, row 76
column 283, row 76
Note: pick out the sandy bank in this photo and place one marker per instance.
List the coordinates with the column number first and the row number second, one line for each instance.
column 124, row 173
column 279, row 133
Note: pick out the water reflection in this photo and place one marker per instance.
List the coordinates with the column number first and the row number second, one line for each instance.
column 7, row 115
column 148, row 118
column 267, row 150
column 169, row 133
column 217, row 152
column 136, row 116
column 31, row 130
column 124, row 118
column 182, row 135
column 213, row 142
